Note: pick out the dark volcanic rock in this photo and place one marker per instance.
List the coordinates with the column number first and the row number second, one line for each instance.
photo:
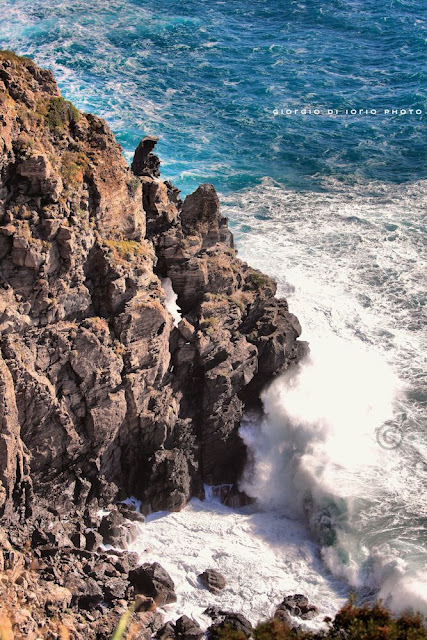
column 144, row 162
column 153, row 581
column 116, row 530
column 212, row 580
column 187, row 629
column 115, row 588
column 230, row 622
column 166, row 632
column 170, row 481
column 86, row 592
column 93, row 540
column 89, row 358
column 296, row 605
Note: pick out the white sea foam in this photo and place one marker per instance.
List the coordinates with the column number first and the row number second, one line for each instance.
column 171, row 298
column 262, row 555
column 350, row 261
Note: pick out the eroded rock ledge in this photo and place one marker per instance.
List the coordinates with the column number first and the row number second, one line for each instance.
column 101, row 395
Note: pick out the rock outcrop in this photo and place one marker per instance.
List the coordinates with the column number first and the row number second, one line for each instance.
column 296, row 605
column 228, row 622
column 212, row 580
column 101, row 395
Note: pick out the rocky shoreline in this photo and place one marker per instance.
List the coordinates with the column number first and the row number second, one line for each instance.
column 102, row 396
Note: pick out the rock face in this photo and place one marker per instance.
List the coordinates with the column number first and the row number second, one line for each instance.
column 101, row 396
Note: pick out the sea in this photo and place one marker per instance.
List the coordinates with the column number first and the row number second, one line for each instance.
column 309, row 118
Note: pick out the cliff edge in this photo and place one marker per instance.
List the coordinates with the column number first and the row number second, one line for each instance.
column 101, row 395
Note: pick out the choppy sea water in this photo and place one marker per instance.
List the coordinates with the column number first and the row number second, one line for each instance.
column 332, row 205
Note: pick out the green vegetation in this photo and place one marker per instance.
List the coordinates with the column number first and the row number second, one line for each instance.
column 208, row 324
column 125, row 249
column 133, row 186
column 228, row 633
column 376, row 623
column 351, row 622
column 60, row 113
column 74, row 165
column 5, row 54
column 25, row 145
column 257, row 279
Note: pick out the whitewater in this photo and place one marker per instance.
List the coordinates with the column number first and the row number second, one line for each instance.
column 334, row 209
column 337, row 463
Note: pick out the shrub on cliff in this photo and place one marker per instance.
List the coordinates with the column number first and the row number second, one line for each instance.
column 376, row 623
column 61, row 113
column 351, row 622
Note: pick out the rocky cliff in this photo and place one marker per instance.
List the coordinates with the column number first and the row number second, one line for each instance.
column 101, row 395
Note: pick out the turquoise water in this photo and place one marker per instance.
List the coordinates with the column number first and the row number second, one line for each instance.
column 332, row 204
column 207, row 76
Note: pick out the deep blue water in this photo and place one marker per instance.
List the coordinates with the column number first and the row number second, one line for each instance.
column 206, row 76
column 333, row 206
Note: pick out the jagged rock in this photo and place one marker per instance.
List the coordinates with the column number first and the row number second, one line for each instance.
column 79, row 540
column 158, row 198
column 144, row 162
column 15, row 484
column 166, row 632
column 311, row 612
column 231, row 496
column 296, row 605
column 232, row 622
column 283, row 614
column 124, row 561
column 86, row 592
column 212, row 580
column 142, row 603
column 130, row 513
column 42, row 178
column 201, row 216
column 115, row 588
column 116, row 530
column 171, row 481
column 153, row 581
column 186, row 330
column 93, row 540
column 187, row 629
column 56, row 595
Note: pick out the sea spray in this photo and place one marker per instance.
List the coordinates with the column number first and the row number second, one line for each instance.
column 171, row 301
column 316, row 456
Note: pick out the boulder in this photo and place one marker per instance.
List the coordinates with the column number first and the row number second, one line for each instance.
column 170, row 486
column 93, row 540
column 153, row 581
column 212, row 580
column 86, row 592
column 166, row 632
column 230, row 622
column 116, row 530
column 296, row 605
column 115, row 588
column 56, row 596
column 187, row 629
